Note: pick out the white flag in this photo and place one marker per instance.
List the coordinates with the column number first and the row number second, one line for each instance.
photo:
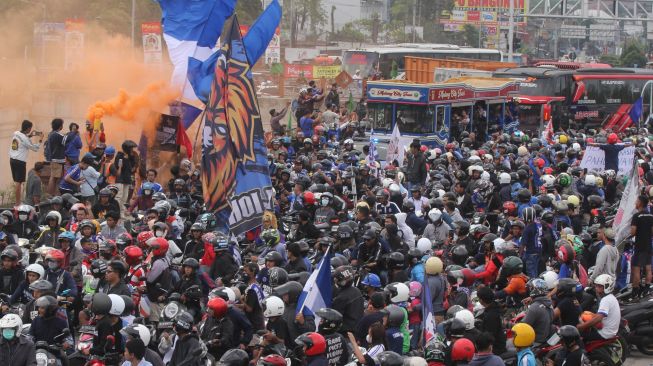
column 395, row 150
column 622, row 219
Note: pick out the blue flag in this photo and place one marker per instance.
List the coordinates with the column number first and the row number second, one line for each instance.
column 317, row 291
column 427, row 311
column 636, row 111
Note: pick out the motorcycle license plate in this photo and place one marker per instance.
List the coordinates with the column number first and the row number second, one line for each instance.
column 553, row 340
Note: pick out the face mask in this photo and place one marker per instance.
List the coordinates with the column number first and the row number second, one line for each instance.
column 8, row 334
column 368, row 339
column 147, row 192
column 53, row 265
column 158, row 234
column 325, row 202
column 246, row 277
column 22, row 217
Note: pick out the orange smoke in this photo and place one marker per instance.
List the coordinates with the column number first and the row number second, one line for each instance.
column 134, row 108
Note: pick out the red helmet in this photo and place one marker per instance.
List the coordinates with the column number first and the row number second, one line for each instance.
column 314, row 342
column 613, row 138
column 423, row 148
column 218, row 306
column 548, row 170
column 143, row 237
column 510, row 208
column 450, row 146
column 566, row 253
column 124, row 240
column 159, row 246
column 462, row 350
column 539, row 162
column 133, row 255
column 55, row 255
column 590, row 140
column 481, row 152
column 309, row 198
column 272, row 360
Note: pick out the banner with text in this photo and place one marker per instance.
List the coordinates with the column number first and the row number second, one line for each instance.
column 594, row 159
column 152, row 47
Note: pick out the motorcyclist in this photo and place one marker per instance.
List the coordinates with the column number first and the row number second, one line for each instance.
column 608, row 313
column 243, row 331
column 218, row 330
column 186, row 343
column 16, row 349
column 276, row 326
column 301, row 322
column 158, row 278
column 62, row 281
column 73, row 257
column 539, row 314
column 114, row 277
column 50, row 235
column 48, row 324
column 312, row 349
column 224, row 265
column 349, row 300
column 11, row 272
column 140, row 331
column 573, row 353
column 23, row 294
column 25, row 226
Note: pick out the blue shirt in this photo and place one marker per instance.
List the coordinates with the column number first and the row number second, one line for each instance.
column 306, row 124
column 395, row 340
column 75, row 172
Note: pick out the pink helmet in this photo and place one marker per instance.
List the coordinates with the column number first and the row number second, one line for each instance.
column 414, row 289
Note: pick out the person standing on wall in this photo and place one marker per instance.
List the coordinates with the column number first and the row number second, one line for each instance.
column 56, row 155
column 21, row 143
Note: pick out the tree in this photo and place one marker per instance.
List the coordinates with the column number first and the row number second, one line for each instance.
column 303, row 15
column 470, row 34
column 633, row 54
column 350, row 32
column 248, row 11
column 427, row 13
column 610, row 59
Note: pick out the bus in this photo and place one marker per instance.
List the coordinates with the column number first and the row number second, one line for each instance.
column 582, row 98
column 369, row 61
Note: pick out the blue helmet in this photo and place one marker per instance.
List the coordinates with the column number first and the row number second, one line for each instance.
column 372, row 280
column 110, row 150
column 67, row 235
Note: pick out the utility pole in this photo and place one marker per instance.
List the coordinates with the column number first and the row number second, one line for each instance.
column 133, row 23
column 414, row 16
column 511, row 26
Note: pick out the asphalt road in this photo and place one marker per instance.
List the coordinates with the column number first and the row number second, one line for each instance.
column 638, row 359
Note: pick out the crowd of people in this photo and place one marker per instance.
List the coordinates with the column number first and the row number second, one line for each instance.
column 508, row 236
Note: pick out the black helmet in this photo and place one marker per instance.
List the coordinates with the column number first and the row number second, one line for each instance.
column 98, row 268
column 566, row 287
column 41, row 285
column 544, row 200
column 595, row 201
column 49, row 303
column 547, row 217
column 291, row 288
column 234, row 357
column 118, row 266
column 105, row 192
column 389, row 358
column 569, row 335
column 462, row 227
column 275, row 257
column 414, row 255
column 512, row 265
column 396, row 261
column 344, row 275
column 184, row 322
column 459, row 255
column 192, row 263
column 395, row 315
column 208, row 221
column 409, row 206
column 10, row 254
column 345, row 232
column 194, row 292
column 457, row 328
column 278, row 276
column 129, row 305
column 524, row 195
column 331, row 320
column 197, row 227
column 435, row 350
column 101, row 304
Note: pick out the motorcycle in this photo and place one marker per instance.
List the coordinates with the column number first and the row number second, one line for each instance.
column 637, row 326
column 51, row 354
column 87, row 335
column 168, row 314
column 109, row 358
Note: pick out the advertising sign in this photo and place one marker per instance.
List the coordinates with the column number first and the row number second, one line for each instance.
column 326, row 72
column 298, row 71
column 273, row 52
column 74, row 43
column 152, row 47
column 299, row 54
column 394, row 93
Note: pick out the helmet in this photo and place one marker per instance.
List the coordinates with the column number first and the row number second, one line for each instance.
column 10, row 254
column 220, row 242
column 137, row 331
column 278, row 276
column 272, row 360
column 459, row 255
column 566, row 253
column 143, row 237
column 573, row 200
column 225, row 293
column 524, row 335
column 273, row 306
column 537, row 287
column 133, row 255
column 524, row 195
column 435, row 215
column 467, row 317
column 389, row 358
column 413, row 256
column 53, row 215
column 566, row 287
column 12, row 321
column 159, row 246
column 271, row 237
column 512, row 265
column 605, row 280
column 124, row 240
column 41, row 285
column 590, row 180
column 548, row 180
column 395, row 315
column 49, row 303
column 218, row 306
column 117, row 305
column 613, row 138
column 564, row 179
column 119, row 266
column 191, row 262
column 314, row 342
column 550, row 278
column 424, row 244
column 234, row 357
column 372, row 280
column 414, row 289
column 309, row 198
column 274, row 256
column 462, row 350
column 456, row 328
column 509, row 208
column 55, row 255
column 433, row 266
column 569, row 335
column 344, row 275
column 159, row 196
column 539, row 162
column 208, row 221
column 595, row 201
column 129, row 305
column 398, row 292
column 528, row 214
column 35, row 268
column 504, row 178
column 396, row 260
column 331, row 320
column 462, row 227
column 184, row 321
column 435, row 350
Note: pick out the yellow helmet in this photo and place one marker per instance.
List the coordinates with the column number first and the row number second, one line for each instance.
column 433, row 266
column 563, row 139
column 523, row 334
column 573, row 200
column 599, row 182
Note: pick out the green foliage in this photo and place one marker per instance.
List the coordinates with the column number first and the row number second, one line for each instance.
column 633, row 54
column 428, row 14
column 470, row 35
column 248, row 11
column 610, row 59
column 350, row 32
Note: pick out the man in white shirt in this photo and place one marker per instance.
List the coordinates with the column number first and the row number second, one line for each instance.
column 609, row 313
column 20, row 146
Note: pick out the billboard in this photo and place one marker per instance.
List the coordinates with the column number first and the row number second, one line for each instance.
column 488, row 13
column 152, row 46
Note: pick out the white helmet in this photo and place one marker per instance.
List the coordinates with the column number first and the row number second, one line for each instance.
column 401, row 177
column 400, row 291
column 474, row 168
column 576, row 146
column 551, row 279
column 467, row 317
column 522, row 151
column 36, row 268
column 441, row 193
column 394, row 188
column 348, row 141
column 231, row 295
column 117, row 305
column 488, row 157
column 415, row 361
column 435, row 214
column 548, row 180
column 474, row 159
column 424, row 245
column 504, row 178
column 12, row 321
column 606, row 281
column 387, row 182
column 499, row 245
column 142, row 331
column 485, row 176
column 273, row 306
column 590, row 180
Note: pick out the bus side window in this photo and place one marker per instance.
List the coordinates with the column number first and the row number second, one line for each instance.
column 439, row 119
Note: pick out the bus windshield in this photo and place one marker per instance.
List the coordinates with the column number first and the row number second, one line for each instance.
column 380, row 116
column 364, row 61
column 415, row 119
column 599, row 91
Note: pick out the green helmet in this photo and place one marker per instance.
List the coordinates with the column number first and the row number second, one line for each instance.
column 564, row 179
column 271, row 237
column 512, row 266
column 525, row 138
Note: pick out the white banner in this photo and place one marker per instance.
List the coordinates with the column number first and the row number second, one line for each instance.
column 594, row 159
column 395, row 150
column 294, row 55
column 622, row 219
